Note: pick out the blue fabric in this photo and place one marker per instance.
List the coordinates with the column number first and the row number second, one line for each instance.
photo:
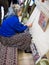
column 11, row 26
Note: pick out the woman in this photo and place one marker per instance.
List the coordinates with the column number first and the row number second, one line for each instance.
column 13, row 32
column 13, row 35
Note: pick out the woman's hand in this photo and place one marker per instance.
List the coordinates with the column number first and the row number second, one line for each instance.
column 29, row 25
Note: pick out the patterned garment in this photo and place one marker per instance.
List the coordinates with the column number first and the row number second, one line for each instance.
column 21, row 40
column 8, row 55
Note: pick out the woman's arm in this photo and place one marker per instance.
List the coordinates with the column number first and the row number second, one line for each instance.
column 29, row 24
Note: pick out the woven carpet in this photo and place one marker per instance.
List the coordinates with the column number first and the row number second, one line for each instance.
column 8, row 55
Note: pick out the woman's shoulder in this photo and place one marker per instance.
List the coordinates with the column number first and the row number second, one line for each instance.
column 13, row 16
column 11, row 19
